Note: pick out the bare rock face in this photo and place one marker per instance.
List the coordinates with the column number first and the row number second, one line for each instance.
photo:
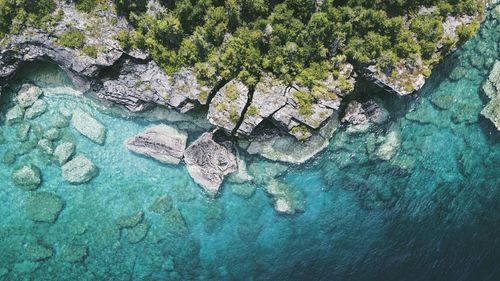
column 228, row 104
column 209, row 159
column 268, row 98
column 163, row 143
column 492, row 90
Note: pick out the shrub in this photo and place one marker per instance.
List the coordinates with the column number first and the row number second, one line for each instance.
column 91, row 51
column 72, row 38
column 467, row 31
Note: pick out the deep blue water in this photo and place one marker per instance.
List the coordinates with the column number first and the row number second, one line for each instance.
column 432, row 212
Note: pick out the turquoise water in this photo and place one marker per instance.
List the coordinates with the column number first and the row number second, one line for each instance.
column 432, row 212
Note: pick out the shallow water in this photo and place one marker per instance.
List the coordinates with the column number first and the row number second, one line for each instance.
column 432, row 212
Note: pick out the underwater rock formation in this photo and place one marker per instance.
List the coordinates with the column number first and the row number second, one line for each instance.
column 79, row 170
column 27, row 177
column 163, row 143
column 88, row 126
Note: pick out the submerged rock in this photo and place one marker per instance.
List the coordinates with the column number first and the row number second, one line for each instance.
column 74, row 253
column 163, row 143
column 22, row 131
column 63, row 152
column 389, row 147
column 130, row 220
column 290, row 150
column 286, row 200
column 52, row 134
column 27, row 96
column 209, row 159
column 79, row 170
column 44, row 207
column 162, row 204
column 15, row 114
column 39, row 252
column 38, row 108
column 137, row 233
column 27, row 177
column 175, row 223
column 88, row 126
column 359, row 116
column 46, row 146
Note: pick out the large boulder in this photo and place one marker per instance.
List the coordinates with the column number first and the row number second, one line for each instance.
column 79, row 170
column 163, row 143
column 28, row 95
column 27, row 177
column 44, row 207
column 88, row 126
column 209, row 159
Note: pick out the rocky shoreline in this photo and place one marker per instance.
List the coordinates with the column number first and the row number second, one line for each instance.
column 272, row 119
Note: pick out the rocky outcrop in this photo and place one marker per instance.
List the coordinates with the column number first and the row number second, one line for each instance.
column 63, row 152
column 227, row 106
column 409, row 75
column 163, row 143
column 268, row 98
column 492, row 89
column 209, row 159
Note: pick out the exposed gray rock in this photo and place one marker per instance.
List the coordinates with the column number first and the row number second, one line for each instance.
column 268, row 97
column 209, row 159
column 227, row 106
column 44, row 207
column 79, row 170
column 27, row 177
column 492, row 90
column 38, row 108
column 63, row 152
column 88, row 126
column 15, row 114
column 163, row 143
column 27, row 96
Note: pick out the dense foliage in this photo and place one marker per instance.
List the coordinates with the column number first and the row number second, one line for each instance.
column 15, row 15
column 294, row 39
column 240, row 38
